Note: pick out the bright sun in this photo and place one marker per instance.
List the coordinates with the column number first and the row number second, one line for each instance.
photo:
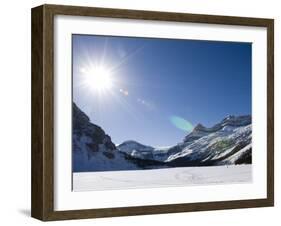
column 97, row 78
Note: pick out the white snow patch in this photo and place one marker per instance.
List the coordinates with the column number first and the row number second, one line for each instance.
column 232, row 159
column 182, row 176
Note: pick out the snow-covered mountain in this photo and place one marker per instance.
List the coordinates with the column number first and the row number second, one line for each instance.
column 228, row 142
column 92, row 148
column 136, row 150
column 227, row 123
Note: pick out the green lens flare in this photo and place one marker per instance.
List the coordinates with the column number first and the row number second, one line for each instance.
column 181, row 123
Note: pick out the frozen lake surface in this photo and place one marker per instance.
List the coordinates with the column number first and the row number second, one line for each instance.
column 182, row 176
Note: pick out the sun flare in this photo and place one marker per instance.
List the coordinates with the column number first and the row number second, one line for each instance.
column 97, row 78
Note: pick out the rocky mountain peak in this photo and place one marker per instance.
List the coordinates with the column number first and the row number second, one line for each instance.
column 82, row 127
column 80, row 119
column 199, row 127
column 231, row 120
column 237, row 120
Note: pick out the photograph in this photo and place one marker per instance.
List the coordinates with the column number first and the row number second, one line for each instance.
column 153, row 112
column 138, row 112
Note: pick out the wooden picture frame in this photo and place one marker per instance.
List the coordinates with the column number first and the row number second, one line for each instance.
column 42, row 203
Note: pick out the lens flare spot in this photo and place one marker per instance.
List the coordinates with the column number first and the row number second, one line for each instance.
column 124, row 92
column 181, row 123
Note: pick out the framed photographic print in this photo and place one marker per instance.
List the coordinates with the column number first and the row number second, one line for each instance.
column 141, row 112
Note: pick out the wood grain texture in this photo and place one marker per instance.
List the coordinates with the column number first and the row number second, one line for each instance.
column 42, row 113
column 37, row 159
column 43, row 108
column 270, row 111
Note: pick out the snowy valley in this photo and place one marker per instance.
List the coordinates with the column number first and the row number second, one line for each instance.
column 226, row 143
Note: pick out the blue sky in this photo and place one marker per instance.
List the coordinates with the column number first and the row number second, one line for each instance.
column 161, row 88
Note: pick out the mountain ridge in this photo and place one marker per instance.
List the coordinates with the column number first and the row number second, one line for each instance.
column 92, row 148
column 229, row 136
column 227, row 142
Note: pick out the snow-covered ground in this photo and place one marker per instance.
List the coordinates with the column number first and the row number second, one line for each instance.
column 182, row 176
